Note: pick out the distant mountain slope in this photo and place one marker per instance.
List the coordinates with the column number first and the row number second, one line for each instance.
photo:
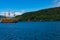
column 51, row 14
column 1, row 16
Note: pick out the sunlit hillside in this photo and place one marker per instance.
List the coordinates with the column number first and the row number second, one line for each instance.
column 50, row 14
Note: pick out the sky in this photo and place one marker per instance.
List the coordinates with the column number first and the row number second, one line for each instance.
column 21, row 6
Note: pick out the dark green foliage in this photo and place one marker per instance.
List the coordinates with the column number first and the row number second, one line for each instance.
column 51, row 14
column 1, row 16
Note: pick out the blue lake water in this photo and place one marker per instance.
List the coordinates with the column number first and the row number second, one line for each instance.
column 30, row 31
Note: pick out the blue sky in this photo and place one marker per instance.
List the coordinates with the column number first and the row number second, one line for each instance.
column 21, row 6
column 28, row 5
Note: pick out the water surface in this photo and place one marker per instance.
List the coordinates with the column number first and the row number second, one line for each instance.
column 30, row 31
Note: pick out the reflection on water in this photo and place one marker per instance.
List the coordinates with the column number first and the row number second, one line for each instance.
column 30, row 31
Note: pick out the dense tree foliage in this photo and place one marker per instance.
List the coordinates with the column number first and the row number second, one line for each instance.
column 51, row 14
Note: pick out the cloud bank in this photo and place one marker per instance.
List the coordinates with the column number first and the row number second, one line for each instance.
column 12, row 13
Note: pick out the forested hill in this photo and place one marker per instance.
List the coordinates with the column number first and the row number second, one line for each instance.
column 51, row 14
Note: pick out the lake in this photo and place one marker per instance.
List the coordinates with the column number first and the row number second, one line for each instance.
column 30, row 31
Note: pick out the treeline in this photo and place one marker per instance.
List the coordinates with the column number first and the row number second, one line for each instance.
column 51, row 14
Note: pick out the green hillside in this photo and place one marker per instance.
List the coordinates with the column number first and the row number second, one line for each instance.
column 51, row 14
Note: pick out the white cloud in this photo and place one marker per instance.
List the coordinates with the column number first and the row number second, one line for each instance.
column 23, row 11
column 2, row 13
column 56, row 3
column 18, row 13
column 11, row 13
